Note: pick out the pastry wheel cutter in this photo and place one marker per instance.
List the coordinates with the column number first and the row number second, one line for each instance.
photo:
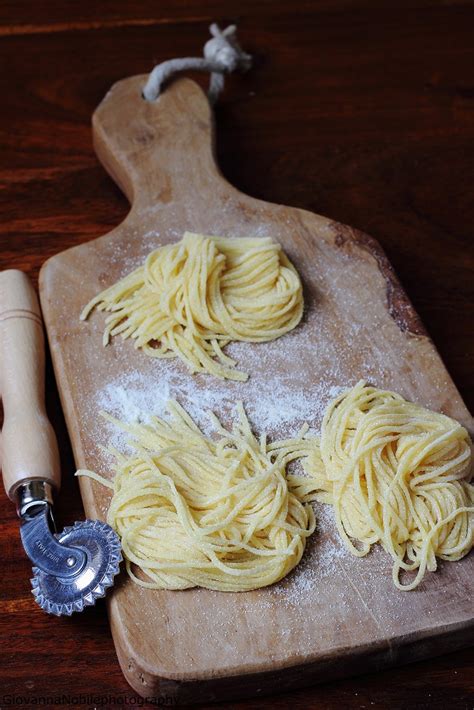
column 72, row 568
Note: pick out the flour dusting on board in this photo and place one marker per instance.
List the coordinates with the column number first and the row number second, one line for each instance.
column 279, row 397
column 325, row 553
column 278, row 403
column 131, row 399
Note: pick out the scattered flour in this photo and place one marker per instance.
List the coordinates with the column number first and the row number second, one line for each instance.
column 132, row 399
column 325, row 553
column 278, row 400
column 285, row 390
column 279, row 397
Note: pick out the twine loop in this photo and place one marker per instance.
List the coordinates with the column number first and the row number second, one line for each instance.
column 222, row 55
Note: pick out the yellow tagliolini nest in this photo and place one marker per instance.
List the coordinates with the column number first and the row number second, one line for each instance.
column 192, row 298
column 194, row 511
column 397, row 474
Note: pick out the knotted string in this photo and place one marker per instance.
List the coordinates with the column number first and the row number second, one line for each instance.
column 222, row 55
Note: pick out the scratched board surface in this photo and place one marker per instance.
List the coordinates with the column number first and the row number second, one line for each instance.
column 335, row 613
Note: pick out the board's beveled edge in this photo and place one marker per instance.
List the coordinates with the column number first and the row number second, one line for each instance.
column 285, row 676
column 399, row 305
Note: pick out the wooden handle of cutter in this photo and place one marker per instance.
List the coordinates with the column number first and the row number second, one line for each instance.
column 29, row 447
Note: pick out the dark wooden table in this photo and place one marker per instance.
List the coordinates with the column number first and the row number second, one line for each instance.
column 362, row 111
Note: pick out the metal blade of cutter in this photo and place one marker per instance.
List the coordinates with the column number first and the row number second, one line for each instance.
column 72, row 568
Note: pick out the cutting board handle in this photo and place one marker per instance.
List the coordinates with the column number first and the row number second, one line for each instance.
column 29, row 446
column 157, row 151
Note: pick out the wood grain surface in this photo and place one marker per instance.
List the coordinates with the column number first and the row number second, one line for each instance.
column 375, row 132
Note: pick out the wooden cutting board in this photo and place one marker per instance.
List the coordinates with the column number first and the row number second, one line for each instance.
column 335, row 614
